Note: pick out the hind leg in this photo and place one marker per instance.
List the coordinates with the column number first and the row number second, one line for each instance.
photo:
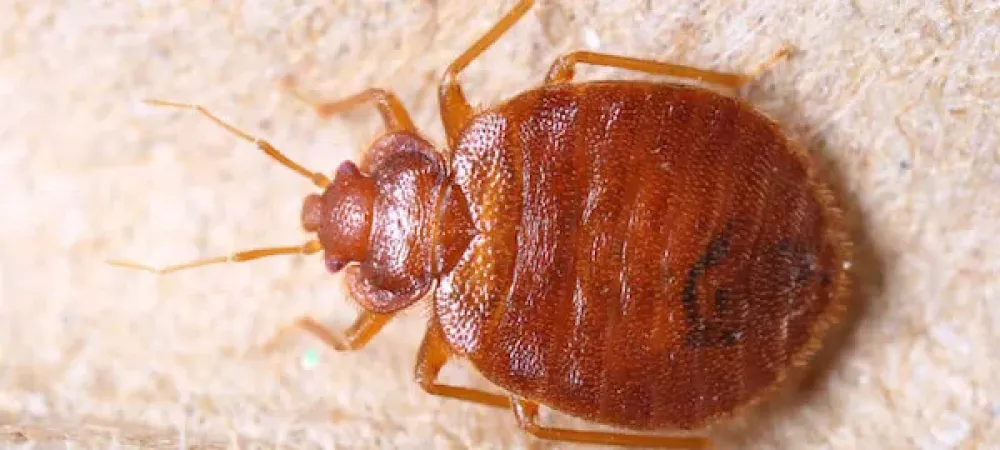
column 526, row 413
column 434, row 354
column 394, row 115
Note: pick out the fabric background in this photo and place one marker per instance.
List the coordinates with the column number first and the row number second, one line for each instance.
column 899, row 100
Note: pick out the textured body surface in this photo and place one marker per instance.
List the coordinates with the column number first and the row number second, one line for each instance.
column 900, row 98
column 647, row 255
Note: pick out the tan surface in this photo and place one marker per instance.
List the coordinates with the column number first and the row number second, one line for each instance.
column 901, row 98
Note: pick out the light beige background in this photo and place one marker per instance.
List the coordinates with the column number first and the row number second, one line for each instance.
column 899, row 100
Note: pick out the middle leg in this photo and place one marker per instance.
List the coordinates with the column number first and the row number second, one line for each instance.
column 564, row 68
column 455, row 109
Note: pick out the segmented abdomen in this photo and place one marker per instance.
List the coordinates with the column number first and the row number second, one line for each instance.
column 646, row 256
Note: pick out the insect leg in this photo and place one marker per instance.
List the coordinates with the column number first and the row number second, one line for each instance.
column 318, row 179
column 434, row 354
column 455, row 109
column 526, row 414
column 393, row 113
column 563, row 68
column 365, row 327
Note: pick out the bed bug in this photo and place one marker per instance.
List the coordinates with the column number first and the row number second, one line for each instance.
column 645, row 255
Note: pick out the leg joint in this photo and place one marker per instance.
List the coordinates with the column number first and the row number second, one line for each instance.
column 525, row 414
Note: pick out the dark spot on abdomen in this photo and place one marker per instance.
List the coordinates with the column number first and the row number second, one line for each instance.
column 703, row 332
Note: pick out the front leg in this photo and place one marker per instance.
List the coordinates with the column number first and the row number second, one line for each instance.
column 455, row 108
column 378, row 306
column 365, row 327
column 394, row 115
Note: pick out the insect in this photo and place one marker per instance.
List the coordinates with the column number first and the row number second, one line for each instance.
column 640, row 254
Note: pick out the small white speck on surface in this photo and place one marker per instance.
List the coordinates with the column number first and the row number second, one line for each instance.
column 591, row 39
column 309, row 359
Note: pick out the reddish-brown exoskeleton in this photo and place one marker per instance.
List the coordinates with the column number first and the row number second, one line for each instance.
column 644, row 255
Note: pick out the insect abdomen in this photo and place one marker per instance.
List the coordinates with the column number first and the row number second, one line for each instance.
column 631, row 254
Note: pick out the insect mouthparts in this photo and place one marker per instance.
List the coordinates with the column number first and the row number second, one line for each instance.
column 312, row 210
